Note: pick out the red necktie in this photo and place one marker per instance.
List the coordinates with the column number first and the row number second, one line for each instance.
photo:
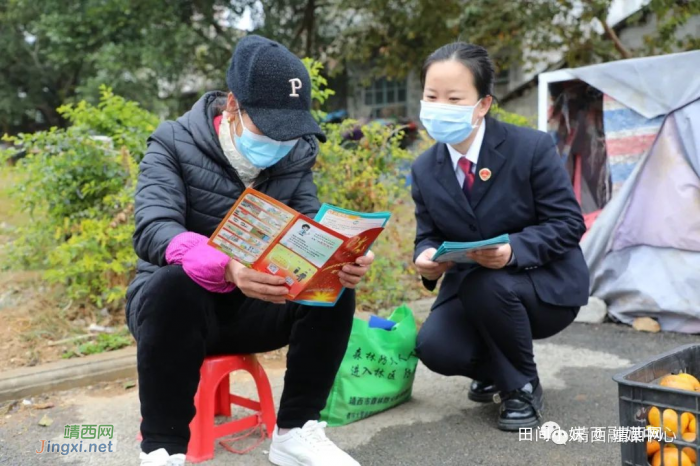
column 466, row 167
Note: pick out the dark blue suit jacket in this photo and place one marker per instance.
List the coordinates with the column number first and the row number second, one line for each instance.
column 529, row 196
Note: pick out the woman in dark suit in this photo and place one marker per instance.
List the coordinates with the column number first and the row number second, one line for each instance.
column 481, row 179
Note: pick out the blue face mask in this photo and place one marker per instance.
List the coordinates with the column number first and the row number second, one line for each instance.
column 260, row 150
column 448, row 123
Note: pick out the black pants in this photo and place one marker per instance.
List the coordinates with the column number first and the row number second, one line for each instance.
column 177, row 323
column 486, row 333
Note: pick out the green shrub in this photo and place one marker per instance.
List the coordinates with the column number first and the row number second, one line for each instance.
column 365, row 175
column 319, row 91
column 76, row 186
column 510, row 117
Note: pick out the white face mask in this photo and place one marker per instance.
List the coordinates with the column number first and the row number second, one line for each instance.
column 245, row 169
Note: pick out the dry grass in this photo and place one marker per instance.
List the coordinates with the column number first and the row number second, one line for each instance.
column 35, row 314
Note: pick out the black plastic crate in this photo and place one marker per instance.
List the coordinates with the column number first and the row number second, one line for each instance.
column 639, row 392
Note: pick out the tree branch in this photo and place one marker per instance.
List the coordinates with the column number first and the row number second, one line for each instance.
column 297, row 35
column 310, row 26
column 616, row 40
column 217, row 27
column 52, row 117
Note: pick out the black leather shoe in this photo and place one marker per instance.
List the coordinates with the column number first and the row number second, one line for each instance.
column 521, row 408
column 482, row 392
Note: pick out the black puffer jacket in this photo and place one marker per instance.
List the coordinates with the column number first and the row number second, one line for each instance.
column 187, row 184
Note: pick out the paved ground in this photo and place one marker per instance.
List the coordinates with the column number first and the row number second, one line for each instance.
column 438, row 427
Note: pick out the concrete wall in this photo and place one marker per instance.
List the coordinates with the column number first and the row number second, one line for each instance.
column 525, row 103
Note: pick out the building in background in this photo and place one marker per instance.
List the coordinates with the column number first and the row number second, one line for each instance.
column 383, row 98
column 515, row 89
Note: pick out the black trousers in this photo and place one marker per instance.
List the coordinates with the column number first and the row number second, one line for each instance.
column 177, row 323
column 486, row 333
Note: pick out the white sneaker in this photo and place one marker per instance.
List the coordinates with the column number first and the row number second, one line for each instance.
column 160, row 457
column 307, row 446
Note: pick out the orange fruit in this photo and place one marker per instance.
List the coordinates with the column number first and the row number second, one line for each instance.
column 692, row 426
column 671, row 422
column 671, row 458
column 655, row 417
column 689, row 378
column 652, row 447
column 686, row 418
column 691, row 452
column 677, row 382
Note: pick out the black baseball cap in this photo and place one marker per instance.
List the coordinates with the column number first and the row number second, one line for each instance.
column 272, row 85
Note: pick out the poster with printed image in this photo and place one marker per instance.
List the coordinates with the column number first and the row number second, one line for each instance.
column 266, row 235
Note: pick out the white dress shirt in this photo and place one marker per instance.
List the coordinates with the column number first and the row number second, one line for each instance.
column 472, row 154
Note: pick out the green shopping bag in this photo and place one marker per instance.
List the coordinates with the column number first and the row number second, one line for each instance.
column 377, row 371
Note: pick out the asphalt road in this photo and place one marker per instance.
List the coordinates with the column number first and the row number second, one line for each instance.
column 439, row 426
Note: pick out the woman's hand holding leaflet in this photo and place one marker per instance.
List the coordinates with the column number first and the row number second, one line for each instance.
column 256, row 285
column 429, row 269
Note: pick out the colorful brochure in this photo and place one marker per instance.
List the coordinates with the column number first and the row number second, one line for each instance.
column 457, row 252
column 266, row 235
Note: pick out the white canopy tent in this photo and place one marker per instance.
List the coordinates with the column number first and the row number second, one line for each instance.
column 637, row 162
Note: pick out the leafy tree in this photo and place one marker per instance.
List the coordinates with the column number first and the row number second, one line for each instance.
column 61, row 51
column 164, row 54
column 396, row 36
column 304, row 26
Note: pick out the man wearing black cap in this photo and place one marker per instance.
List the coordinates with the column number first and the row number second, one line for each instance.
column 189, row 300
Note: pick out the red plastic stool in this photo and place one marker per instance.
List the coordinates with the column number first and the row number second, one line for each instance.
column 214, row 397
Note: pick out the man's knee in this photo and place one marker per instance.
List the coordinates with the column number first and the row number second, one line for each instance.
column 342, row 310
column 346, row 303
column 170, row 279
column 170, row 297
column 336, row 320
column 484, row 289
column 436, row 354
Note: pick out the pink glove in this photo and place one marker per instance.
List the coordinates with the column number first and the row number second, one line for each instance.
column 205, row 265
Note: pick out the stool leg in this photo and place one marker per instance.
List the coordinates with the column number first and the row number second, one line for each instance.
column 223, row 397
column 267, row 403
column 201, row 446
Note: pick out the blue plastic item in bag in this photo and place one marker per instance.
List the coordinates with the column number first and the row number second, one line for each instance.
column 378, row 322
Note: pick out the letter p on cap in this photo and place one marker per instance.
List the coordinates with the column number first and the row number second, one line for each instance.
column 296, row 85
